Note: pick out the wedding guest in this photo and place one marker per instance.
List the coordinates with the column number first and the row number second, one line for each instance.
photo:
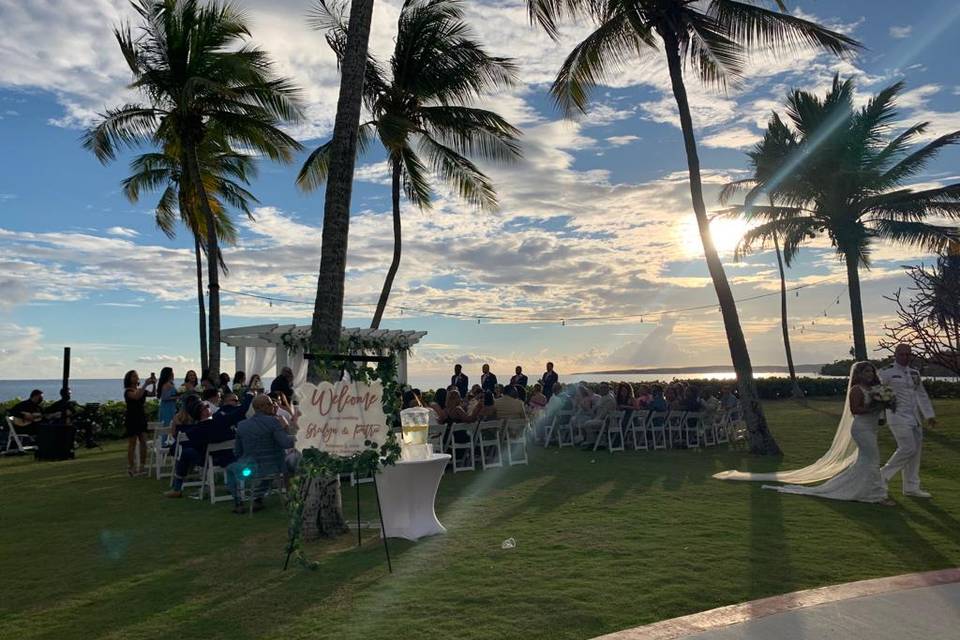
column 135, row 417
column 709, row 405
column 672, row 398
column 284, row 411
column 485, row 410
column 409, row 400
column 283, row 382
column 460, row 380
column 454, row 407
column 211, row 397
column 488, row 380
column 255, row 385
column 658, row 401
column 190, row 381
column 604, row 403
column 228, row 400
column 537, row 400
column 691, row 399
column 224, row 385
column 474, row 398
column 549, row 379
column 625, row 398
column 261, row 445
column 498, row 391
column 240, row 383
column 509, row 406
column 418, row 396
column 167, row 393
column 438, row 406
column 643, row 396
column 518, row 379
column 728, row 400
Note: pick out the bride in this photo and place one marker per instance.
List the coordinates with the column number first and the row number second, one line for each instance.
column 852, row 464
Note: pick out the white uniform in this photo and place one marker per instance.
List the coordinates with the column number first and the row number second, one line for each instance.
column 913, row 408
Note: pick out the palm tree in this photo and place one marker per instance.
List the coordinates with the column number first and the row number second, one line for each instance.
column 766, row 159
column 713, row 38
column 226, row 175
column 842, row 175
column 418, row 114
column 198, row 74
column 328, row 305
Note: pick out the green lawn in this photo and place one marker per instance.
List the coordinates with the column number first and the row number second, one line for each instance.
column 603, row 542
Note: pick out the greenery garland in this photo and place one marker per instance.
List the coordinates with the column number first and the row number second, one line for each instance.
column 319, row 464
column 298, row 341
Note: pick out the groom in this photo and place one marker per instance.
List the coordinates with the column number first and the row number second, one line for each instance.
column 913, row 407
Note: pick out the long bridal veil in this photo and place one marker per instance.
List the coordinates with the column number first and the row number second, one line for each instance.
column 841, row 454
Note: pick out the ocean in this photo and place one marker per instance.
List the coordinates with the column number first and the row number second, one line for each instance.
column 84, row 390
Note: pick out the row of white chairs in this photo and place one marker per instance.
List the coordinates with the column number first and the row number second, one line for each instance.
column 496, row 443
column 649, row 430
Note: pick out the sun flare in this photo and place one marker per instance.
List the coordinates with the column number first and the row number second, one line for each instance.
column 726, row 234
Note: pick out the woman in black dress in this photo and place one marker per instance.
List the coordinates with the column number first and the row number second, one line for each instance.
column 135, row 418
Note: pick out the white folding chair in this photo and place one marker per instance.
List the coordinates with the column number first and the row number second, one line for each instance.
column 562, row 427
column 720, row 427
column 487, row 437
column 692, row 426
column 736, row 427
column 657, row 423
column 708, row 429
column 466, row 447
column 14, row 441
column 638, row 430
column 514, row 431
column 435, row 437
column 258, row 487
column 157, row 453
column 614, row 429
column 674, row 427
column 209, row 474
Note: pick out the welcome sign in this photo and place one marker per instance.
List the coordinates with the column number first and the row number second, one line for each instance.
column 339, row 418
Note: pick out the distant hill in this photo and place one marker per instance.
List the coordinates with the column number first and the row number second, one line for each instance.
column 717, row 368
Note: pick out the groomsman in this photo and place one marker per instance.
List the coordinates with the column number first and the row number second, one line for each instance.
column 488, row 381
column 519, row 379
column 548, row 379
column 913, row 409
column 460, row 380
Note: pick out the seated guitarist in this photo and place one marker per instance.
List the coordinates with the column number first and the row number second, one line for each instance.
column 27, row 414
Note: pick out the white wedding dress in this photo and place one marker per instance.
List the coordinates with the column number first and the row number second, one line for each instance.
column 851, row 465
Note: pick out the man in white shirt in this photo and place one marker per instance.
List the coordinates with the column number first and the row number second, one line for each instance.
column 913, row 408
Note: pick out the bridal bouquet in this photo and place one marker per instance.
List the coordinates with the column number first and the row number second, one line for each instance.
column 883, row 397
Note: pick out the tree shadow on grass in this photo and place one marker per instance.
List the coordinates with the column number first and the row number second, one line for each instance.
column 891, row 528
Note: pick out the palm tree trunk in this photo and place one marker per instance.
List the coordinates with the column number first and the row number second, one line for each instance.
column 856, row 305
column 204, row 359
column 324, row 504
column 328, row 306
column 761, row 440
column 213, row 252
column 797, row 392
column 395, row 264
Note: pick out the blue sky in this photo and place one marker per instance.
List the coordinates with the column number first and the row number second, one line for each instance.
column 595, row 221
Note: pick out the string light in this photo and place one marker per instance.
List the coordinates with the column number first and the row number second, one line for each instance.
column 536, row 317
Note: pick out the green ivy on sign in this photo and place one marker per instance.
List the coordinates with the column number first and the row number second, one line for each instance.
column 319, row 464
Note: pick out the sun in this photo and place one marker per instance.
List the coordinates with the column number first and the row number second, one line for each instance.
column 726, row 233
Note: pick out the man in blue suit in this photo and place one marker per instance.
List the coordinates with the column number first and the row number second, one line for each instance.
column 460, row 380
column 488, row 381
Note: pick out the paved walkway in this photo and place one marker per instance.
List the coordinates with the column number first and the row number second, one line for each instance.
column 919, row 605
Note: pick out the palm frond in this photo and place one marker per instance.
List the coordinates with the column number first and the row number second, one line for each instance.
column 755, row 26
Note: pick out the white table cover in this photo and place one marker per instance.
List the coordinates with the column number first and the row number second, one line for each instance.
column 407, row 493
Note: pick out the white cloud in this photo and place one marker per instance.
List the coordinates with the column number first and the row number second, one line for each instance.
column 732, row 138
column 900, row 32
column 123, row 232
column 620, row 141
